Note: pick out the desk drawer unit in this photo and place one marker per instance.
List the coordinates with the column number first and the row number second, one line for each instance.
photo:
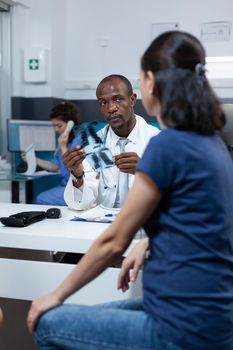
column 27, row 280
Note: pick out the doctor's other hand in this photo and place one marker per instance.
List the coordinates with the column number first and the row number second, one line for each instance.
column 127, row 162
column 40, row 306
column 132, row 264
column 73, row 159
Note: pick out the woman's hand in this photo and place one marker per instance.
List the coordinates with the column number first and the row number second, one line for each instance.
column 23, row 156
column 134, row 262
column 39, row 306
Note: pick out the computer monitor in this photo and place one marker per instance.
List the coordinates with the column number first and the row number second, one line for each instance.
column 227, row 132
column 22, row 133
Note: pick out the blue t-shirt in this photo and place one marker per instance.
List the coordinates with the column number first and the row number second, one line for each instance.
column 64, row 172
column 188, row 277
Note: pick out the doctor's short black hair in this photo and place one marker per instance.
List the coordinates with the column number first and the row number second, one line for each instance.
column 116, row 77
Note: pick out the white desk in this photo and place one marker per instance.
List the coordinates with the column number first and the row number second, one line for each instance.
column 27, row 279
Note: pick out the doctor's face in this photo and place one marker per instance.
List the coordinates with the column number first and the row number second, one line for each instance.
column 116, row 103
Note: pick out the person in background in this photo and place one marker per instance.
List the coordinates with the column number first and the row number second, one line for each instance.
column 60, row 115
column 126, row 135
column 183, row 196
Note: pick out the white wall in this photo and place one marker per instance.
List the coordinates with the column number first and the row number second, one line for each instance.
column 41, row 24
column 88, row 39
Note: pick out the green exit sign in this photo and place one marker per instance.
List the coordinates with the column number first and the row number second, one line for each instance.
column 33, row 64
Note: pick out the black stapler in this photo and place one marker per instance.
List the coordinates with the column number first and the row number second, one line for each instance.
column 26, row 218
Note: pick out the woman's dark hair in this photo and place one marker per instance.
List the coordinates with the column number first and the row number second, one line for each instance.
column 66, row 111
column 177, row 60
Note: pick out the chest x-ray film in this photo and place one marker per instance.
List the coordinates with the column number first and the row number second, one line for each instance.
column 97, row 154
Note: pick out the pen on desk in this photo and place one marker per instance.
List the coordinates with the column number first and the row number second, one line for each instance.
column 110, row 215
column 96, row 220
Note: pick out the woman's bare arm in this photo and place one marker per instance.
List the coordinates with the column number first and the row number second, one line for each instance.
column 46, row 165
column 111, row 244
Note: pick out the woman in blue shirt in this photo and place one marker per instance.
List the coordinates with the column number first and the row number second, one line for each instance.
column 186, row 178
column 60, row 115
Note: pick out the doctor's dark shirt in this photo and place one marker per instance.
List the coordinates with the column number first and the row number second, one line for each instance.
column 188, row 277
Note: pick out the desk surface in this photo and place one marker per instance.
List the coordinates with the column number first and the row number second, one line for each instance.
column 49, row 234
column 24, row 178
column 19, row 178
column 16, row 179
column 27, row 280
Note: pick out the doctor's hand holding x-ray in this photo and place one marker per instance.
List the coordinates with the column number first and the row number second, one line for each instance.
column 73, row 159
column 126, row 162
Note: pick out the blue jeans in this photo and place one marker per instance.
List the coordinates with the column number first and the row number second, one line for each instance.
column 122, row 325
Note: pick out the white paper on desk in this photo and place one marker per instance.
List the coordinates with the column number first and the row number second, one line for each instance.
column 100, row 213
column 31, row 160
